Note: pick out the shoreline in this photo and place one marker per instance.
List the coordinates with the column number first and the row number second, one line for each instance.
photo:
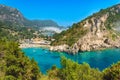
column 28, row 45
column 47, row 46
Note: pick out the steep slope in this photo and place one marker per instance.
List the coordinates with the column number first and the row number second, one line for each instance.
column 99, row 31
column 13, row 25
column 12, row 15
column 15, row 32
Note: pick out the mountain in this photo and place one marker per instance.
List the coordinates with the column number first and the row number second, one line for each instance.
column 12, row 26
column 16, row 26
column 12, row 15
column 43, row 23
column 98, row 31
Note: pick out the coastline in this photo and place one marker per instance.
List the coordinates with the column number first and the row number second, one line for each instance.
column 28, row 45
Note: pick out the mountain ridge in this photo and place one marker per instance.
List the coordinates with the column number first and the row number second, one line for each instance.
column 14, row 23
column 15, row 16
column 96, row 32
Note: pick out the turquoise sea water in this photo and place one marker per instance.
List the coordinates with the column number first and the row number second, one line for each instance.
column 96, row 59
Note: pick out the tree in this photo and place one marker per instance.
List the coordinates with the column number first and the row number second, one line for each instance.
column 74, row 71
column 113, row 72
column 15, row 64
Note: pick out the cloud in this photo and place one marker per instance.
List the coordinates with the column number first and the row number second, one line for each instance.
column 55, row 29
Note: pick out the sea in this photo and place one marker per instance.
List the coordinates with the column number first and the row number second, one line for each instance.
column 96, row 59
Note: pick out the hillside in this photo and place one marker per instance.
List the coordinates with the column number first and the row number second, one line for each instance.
column 16, row 25
column 99, row 31
column 13, row 15
column 15, row 32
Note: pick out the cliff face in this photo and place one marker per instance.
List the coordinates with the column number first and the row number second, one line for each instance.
column 101, row 32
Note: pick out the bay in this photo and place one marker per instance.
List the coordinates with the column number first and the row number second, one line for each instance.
column 96, row 59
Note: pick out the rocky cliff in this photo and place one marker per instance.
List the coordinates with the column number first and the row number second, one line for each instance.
column 101, row 30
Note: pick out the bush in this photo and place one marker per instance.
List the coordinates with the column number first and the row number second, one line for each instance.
column 113, row 72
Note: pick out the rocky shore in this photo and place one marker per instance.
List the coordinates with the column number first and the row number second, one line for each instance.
column 88, row 44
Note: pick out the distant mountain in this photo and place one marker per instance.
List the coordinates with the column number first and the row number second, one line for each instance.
column 16, row 23
column 8, row 14
column 99, row 31
column 43, row 23
column 12, row 15
column 13, row 25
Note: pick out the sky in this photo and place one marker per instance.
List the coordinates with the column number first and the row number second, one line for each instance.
column 64, row 12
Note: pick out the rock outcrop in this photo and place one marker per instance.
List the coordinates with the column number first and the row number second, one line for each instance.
column 98, row 36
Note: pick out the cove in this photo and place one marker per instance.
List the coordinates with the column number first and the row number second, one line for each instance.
column 96, row 59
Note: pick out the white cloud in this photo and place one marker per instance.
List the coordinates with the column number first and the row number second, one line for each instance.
column 55, row 29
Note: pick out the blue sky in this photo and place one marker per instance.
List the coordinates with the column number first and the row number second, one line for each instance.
column 64, row 12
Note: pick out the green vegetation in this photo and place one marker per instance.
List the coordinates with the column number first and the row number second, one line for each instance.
column 113, row 16
column 15, row 32
column 14, row 65
column 112, row 35
column 73, row 71
column 111, row 19
column 15, row 16
column 77, row 30
column 70, row 36
column 113, row 72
